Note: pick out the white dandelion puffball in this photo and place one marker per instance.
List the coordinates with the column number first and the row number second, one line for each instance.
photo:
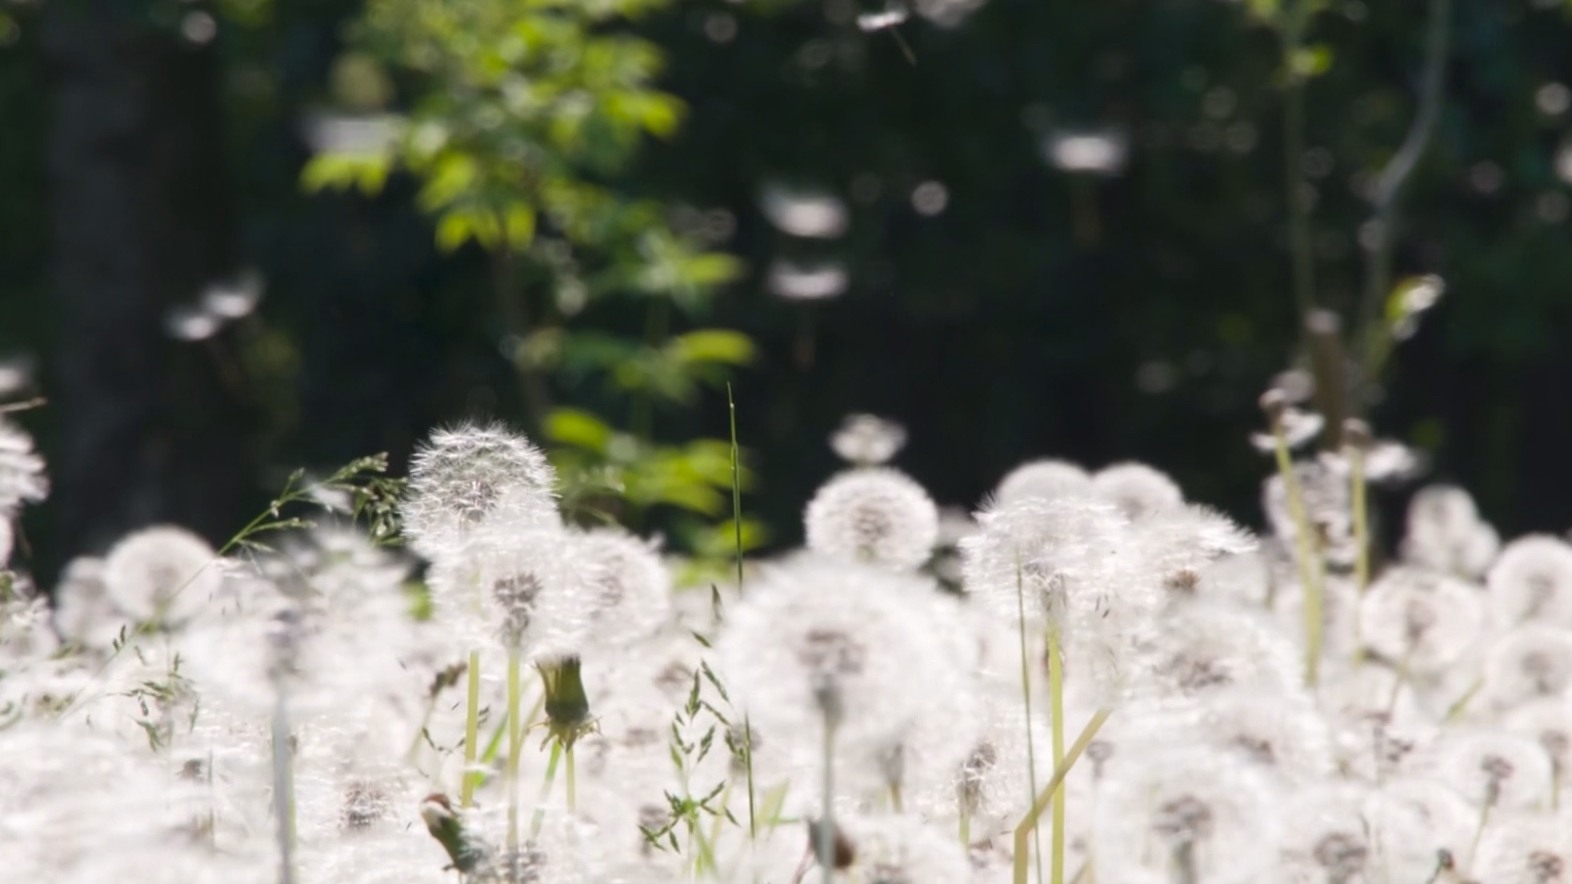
column 874, row 515
column 1137, row 489
column 615, row 591
column 905, row 849
column 1410, row 821
column 866, row 440
column 1446, row 534
column 819, row 638
column 164, row 574
column 1419, row 620
column 499, row 588
column 1532, row 580
column 1491, row 768
column 1330, row 839
column 1046, row 479
column 1534, row 660
column 1206, row 647
column 1187, row 814
column 1548, row 721
column 1525, row 850
column 1072, row 566
column 470, row 474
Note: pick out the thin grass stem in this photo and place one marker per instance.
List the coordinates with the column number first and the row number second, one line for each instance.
column 545, row 790
column 468, row 778
column 1056, row 701
column 1044, row 798
column 515, row 728
column 1026, row 700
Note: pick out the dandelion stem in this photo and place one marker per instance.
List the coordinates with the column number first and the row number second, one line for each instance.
column 826, row 831
column 515, row 746
column 471, row 732
column 966, row 826
column 545, row 790
column 1042, row 799
column 1309, row 570
column 1056, row 702
column 1026, row 699
column 570, row 781
column 1361, row 548
column 283, row 786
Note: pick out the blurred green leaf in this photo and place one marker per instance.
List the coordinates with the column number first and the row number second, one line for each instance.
column 570, row 426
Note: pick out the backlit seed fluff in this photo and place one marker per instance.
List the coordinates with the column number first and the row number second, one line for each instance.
column 1187, row 814
column 1045, row 479
column 164, row 574
column 1532, row 580
column 1525, row 850
column 1137, row 490
column 865, row 440
column 470, row 474
column 616, row 590
column 873, row 515
column 1445, row 533
column 1492, row 769
column 1534, row 660
column 1419, row 620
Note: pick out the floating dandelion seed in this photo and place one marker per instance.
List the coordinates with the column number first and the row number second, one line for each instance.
column 470, row 474
column 804, row 213
column 1102, row 152
column 807, row 282
column 866, row 440
column 875, row 515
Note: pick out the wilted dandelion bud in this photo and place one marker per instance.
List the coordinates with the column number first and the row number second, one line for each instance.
column 1532, row 580
column 1189, row 815
column 22, row 478
column 873, row 515
column 1043, row 479
column 1534, row 660
column 1493, row 769
column 164, row 574
column 1138, row 490
column 821, row 639
column 1421, row 622
column 1446, row 534
column 471, row 474
column 865, row 440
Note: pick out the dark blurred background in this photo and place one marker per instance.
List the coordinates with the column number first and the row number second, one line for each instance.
column 1020, row 228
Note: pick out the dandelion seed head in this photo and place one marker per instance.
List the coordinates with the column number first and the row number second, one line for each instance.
column 1137, row 490
column 1525, row 850
column 164, row 573
column 1329, row 840
column 1204, row 648
column 1411, row 819
column 1044, row 479
column 1532, row 580
column 865, row 440
column 1548, row 721
column 1096, row 152
column 1445, row 533
column 615, row 590
column 1420, row 620
column 1533, row 660
column 1281, row 732
column 904, row 850
column 1491, row 768
column 1192, row 809
column 1299, row 427
column 819, row 638
column 1325, row 495
column 471, row 474
column 875, row 515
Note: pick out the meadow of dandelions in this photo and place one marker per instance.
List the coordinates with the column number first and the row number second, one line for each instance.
column 1088, row 679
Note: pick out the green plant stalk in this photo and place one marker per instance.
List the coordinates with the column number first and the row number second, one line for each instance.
column 736, row 523
column 1361, row 549
column 515, row 728
column 826, row 840
column 283, row 787
column 720, row 818
column 1026, row 700
column 1309, row 569
column 1044, row 798
column 545, row 790
column 468, row 778
column 965, row 826
column 1056, row 701
column 896, row 803
column 570, row 781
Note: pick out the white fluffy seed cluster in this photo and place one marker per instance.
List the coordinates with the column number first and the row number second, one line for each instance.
column 1230, row 721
